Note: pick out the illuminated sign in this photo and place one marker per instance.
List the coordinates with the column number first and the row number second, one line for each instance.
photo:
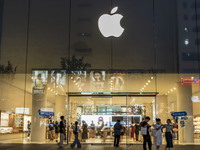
column 195, row 99
column 190, row 80
column 109, row 25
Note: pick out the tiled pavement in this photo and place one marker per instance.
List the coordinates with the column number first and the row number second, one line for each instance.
column 88, row 147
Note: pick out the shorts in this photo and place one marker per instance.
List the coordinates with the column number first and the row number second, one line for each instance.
column 51, row 131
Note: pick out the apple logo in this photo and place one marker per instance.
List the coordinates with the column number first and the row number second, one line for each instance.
column 109, row 25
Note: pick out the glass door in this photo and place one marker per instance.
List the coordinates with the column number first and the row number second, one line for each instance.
column 138, row 107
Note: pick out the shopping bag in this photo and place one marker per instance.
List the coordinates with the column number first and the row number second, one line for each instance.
column 144, row 131
column 154, row 132
column 173, row 135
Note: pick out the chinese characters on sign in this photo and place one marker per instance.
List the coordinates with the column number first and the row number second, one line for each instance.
column 190, row 80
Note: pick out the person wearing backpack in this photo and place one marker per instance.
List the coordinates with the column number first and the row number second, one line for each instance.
column 76, row 130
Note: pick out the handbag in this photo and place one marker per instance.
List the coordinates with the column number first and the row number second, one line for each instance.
column 173, row 135
column 144, row 131
column 154, row 132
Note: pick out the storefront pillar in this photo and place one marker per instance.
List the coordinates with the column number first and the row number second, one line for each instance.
column 38, row 126
column 149, row 111
column 73, row 112
column 162, row 108
column 184, row 103
column 60, row 107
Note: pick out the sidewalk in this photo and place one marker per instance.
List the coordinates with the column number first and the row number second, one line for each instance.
column 88, row 147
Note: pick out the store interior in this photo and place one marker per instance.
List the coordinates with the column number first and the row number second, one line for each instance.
column 21, row 104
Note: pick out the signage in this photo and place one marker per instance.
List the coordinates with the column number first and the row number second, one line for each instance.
column 46, row 112
column 22, row 110
column 190, row 80
column 109, row 25
column 176, row 115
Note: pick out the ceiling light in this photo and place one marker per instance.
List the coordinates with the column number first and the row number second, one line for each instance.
column 171, row 90
column 151, row 78
column 142, row 88
column 146, row 83
column 149, row 81
column 174, row 88
column 168, row 91
column 145, row 86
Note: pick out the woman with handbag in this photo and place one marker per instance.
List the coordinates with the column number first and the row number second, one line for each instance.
column 168, row 134
column 158, row 134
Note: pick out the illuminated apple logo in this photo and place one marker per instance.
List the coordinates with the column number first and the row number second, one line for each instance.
column 109, row 25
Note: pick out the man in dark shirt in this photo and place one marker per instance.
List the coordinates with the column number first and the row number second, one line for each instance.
column 117, row 131
column 62, row 132
column 147, row 138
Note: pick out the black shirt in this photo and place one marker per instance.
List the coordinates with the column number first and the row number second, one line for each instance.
column 62, row 127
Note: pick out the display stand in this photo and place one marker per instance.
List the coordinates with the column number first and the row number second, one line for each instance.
column 197, row 127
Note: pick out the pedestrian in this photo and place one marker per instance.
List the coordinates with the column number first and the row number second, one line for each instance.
column 62, row 132
column 168, row 134
column 51, row 130
column 93, row 132
column 85, row 131
column 132, row 130
column 117, row 131
column 137, row 130
column 147, row 137
column 56, row 130
column 76, row 130
column 158, row 136
column 29, row 129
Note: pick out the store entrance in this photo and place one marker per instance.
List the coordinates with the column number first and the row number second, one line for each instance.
column 99, row 113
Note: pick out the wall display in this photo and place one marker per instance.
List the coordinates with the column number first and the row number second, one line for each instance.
column 21, row 110
column 117, row 81
column 97, row 81
column 26, row 119
column 4, row 119
column 18, row 123
column 197, row 125
column 79, row 79
column 58, row 80
column 39, row 79
column 6, row 130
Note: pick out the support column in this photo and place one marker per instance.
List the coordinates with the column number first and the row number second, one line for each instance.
column 38, row 126
column 162, row 108
column 73, row 112
column 60, row 106
column 184, row 103
column 149, row 111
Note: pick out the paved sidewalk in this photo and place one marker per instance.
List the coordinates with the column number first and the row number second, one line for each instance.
column 88, row 147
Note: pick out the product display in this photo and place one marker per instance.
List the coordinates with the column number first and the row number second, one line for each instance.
column 6, row 130
column 4, row 119
column 197, row 125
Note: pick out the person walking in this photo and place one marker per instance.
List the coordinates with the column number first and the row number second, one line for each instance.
column 29, row 129
column 76, row 130
column 137, row 130
column 147, row 137
column 158, row 136
column 117, row 131
column 62, row 132
column 85, row 131
column 168, row 134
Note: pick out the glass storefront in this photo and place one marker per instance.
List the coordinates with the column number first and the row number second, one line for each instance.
column 59, row 58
